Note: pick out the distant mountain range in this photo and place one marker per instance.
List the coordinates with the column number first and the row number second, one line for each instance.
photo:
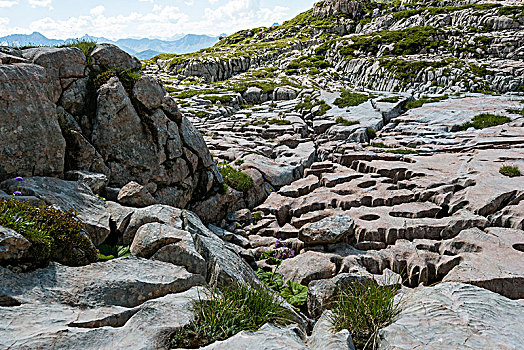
column 141, row 48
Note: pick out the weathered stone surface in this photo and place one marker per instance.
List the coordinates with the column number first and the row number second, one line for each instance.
column 31, row 142
column 268, row 337
column 329, row 230
column 149, row 92
column 139, row 312
column 110, row 56
column 67, row 195
column 455, row 315
column 126, row 282
column 193, row 139
column 156, row 213
column 96, row 182
column 135, row 195
column 491, row 259
column 73, row 98
column 223, row 265
column 118, row 134
column 166, row 243
column 308, row 267
column 12, row 244
column 62, row 65
column 322, row 337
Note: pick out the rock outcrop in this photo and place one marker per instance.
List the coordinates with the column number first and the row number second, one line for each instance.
column 117, row 124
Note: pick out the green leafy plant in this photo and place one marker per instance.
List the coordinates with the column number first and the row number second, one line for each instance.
column 511, row 171
column 226, row 311
column 485, row 120
column 295, row 293
column 364, row 309
column 54, row 234
column 235, row 178
column 107, row 252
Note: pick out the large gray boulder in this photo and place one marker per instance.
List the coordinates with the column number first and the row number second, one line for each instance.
column 329, row 230
column 455, row 316
column 31, row 142
column 111, row 56
column 129, row 302
column 224, row 266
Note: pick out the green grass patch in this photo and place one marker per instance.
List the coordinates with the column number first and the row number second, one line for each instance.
column 420, row 102
column 294, row 293
column 220, row 314
column 54, row 234
column 485, row 120
column 402, row 151
column 511, row 171
column 279, row 122
column 346, row 122
column 235, row 178
column 348, row 99
column 364, row 309
column 391, row 99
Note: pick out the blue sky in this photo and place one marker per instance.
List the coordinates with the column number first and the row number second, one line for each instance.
column 115, row 19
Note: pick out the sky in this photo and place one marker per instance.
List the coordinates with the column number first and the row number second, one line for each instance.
column 163, row 19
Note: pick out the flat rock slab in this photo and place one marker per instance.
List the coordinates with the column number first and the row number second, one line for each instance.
column 57, row 326
column 455, row 316
column 491, row 259
column 124, row 282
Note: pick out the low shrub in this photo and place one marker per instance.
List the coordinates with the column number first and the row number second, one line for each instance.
column 54, row 234
column 235, row 178
column 511, row 171
column 364, row 309
column 224, row 312
column 372, row 133
column 485, row 120
column 349, row 99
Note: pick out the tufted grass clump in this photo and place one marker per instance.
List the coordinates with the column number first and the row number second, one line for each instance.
column 222, row 313
column 54, row 234
column 511, row 171
column 364, row 309
column 235, row 178
column 349, row 99
column 485, row 120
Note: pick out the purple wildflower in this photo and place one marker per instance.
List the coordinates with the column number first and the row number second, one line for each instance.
column 17, row 193
column 18, row 178
column 290, row 253
column 279, row 243
column 277, row 255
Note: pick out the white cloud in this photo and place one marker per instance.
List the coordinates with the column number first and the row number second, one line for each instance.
column 213, row 1
column 241, row 14
column 5, row 3
column 97, row 11
column 189, row 2
column 162, row 22
column 40, row 3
